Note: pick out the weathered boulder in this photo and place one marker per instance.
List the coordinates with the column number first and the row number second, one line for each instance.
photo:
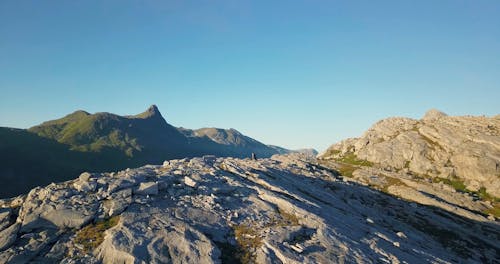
column 85, row 176
column 189, row 182
column 84, row 186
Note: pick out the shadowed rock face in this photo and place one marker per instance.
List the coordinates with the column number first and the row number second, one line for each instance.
column 464, row 148
column 286, row 209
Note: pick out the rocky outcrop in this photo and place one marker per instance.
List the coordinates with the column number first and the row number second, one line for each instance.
column 459, row 148
column 286, row 209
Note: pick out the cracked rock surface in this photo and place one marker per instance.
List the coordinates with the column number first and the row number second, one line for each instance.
column 285, row 209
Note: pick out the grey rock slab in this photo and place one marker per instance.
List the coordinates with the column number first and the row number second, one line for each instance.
column 118, row 202
column 5, row 214
column 147, row 188
column 8, row 236
column 68, row 218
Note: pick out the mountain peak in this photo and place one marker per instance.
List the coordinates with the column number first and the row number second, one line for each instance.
column 151, row 112
column 433, row 114
column 153, row 109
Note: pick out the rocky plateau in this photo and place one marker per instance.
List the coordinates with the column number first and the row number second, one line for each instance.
column 285, row 209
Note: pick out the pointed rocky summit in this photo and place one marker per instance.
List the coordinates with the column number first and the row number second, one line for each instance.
column 151, row 112
column 433, row 114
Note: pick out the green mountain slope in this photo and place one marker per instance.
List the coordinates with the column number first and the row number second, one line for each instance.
column 145, row 137
column 60, row 149
column 28, row 160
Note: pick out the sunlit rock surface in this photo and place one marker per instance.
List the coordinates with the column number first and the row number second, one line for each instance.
column 462, row 147
column 286, row 209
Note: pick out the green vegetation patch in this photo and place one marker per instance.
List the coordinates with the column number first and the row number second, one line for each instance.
column 456, row 183
column 486, row 196
column 248, row 238
column 459, row 185
column 287, row 219
column 391, row 182
column 495, row 210
column 352, row 159
column 91, row 236
column 346, row 170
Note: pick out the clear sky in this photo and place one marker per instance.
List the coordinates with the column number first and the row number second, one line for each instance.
column 290, row 73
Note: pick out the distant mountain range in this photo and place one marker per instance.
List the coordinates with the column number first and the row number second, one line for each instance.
column 59, row 149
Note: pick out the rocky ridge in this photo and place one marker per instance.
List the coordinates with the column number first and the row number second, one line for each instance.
column 285, row 209
column 464, row 150
column 61, row 149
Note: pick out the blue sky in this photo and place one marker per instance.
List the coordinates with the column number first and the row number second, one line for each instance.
column 290, row 73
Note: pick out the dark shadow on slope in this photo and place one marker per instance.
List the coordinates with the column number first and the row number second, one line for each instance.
column 426, row 219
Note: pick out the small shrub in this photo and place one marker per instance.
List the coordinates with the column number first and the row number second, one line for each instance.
column 351, row 158
column 248, row 241
column 248, row 238
column 486, row 196
column 91, row 236
column 287, row 218
column 346, row 170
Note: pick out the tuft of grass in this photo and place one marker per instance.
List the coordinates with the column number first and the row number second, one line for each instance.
column 457, row 184
column 248, row 241
column 346, row 170
column 352, row 159
column 481, row 193
column 495, row 210
column 486, row 196
column 391, row 182
column 287, row 219
column 432, row 144
column 91, row 236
